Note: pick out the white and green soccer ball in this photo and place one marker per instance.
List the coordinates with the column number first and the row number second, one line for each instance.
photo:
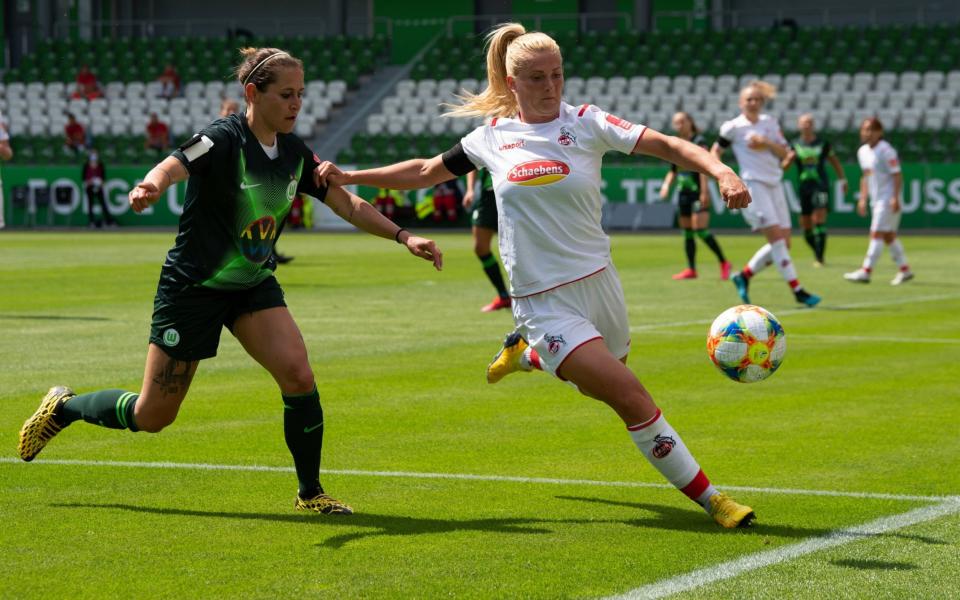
column 747, row 343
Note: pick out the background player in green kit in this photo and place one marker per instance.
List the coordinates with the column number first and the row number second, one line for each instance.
column 244, row 171
column 483, row 217
column 694, row 202
column 810, row 152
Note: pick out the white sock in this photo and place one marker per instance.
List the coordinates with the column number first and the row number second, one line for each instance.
column 781, row 258
column 899, row 256
column 874, row 250
column 662, row 446
column 760, row 259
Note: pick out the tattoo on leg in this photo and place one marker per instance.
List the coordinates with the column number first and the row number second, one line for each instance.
column 174, row 378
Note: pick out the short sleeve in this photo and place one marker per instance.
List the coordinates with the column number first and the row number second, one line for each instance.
column 726, row 133
column 310, row 162
column 777, row 132
column 475, row 146
column 612, row 132
column 208, row 147
column 864, row 158
column 891, row 160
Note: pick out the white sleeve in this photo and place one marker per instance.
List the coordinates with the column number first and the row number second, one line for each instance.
column 612, row 132
column 777, row 132
column 863, row 157
column 475, row 146
column 727, row 131
column 891, row 161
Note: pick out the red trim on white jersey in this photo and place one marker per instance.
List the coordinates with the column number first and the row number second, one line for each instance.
column 646, row 423
column 563, row 284
column 583, row 109
column 569, row 354
column 493, row 123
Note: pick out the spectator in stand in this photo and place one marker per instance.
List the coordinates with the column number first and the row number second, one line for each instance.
column 446, row 197
column 93, row 177
column 387, row 200
column 170, row 82
column 229, row 106
column 87, row 86
column 75, row 134
column 158, row 135
column 6, row 153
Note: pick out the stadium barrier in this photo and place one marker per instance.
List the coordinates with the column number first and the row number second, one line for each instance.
column 931, row 197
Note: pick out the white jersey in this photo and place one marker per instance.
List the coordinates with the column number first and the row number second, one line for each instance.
column 883, row 162
column 546, row 177
column 760, row 165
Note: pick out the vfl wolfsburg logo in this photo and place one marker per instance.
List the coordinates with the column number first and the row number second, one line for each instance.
column 256, row 239
column 171, row 337
column 291, row 188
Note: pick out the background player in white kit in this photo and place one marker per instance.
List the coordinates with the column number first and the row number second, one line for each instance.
column 759, row 146
column 882, row 181
column 545, row 158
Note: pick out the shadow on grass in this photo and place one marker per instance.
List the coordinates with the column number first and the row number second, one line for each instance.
column 380, row 525
column 875, row 565
column 53, row 318
column 680, row 519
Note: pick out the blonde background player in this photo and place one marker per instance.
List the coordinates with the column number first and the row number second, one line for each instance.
column 693, row 202
column 882, row 181
column 759, row 146
column 545, row 158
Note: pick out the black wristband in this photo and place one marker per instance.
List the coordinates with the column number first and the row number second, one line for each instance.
column 396, row 237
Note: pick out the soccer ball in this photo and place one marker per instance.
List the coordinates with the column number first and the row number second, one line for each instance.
column 746, row 343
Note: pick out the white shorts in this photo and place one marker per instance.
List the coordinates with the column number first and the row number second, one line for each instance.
column 884, row 219
column 558, row 321
column 768, row 205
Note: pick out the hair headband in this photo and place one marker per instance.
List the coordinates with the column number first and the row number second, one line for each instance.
column 260, row 64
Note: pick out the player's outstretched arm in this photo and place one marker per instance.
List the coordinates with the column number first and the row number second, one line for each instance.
column 357, row 211
column 691, row 157
column 786, row 162
column 162, row 176
column 411, row 174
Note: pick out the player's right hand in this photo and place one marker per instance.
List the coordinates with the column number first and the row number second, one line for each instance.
column 327, row 174
column 862, row 209
column 468, row 199
column 143, row 195
column 733, row 191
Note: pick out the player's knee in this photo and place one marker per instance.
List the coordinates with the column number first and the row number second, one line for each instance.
column 298, row 377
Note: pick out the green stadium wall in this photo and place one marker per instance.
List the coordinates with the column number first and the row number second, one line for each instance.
column 931, row 196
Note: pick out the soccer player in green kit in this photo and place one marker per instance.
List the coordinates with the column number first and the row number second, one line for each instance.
column 810, row 152
column 483, row 219
column 243, row 172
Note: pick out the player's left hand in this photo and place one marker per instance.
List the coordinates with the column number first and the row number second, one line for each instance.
column 757, row 142
column 327, row 174
column 425, row 249
column 895, row 205
column 733, row 191
column 143, row 195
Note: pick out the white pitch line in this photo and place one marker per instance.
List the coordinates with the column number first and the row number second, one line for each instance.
column 726, row 570
column 473, row 477
column 797, row 311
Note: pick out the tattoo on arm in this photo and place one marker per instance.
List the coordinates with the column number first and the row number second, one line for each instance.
column 175, row 377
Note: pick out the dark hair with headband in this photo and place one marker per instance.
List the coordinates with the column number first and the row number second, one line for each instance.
column 260, row 65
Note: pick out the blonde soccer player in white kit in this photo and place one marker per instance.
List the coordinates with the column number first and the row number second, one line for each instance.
column 545, row 157
column 759, row 146
column 882, row 181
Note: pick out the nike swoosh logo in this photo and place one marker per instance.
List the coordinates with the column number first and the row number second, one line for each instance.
column 247, row 186
column 309, row 429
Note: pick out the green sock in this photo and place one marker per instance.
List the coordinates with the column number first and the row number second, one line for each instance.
column 811, row 238
column 107, row 408
column 492, row 268
column 711, row 243
column 303, row 431
column 690, row 248
column 821, row 232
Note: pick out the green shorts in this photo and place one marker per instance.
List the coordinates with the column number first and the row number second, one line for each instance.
column 690, row 203
column 484, row 212
column 187, row 323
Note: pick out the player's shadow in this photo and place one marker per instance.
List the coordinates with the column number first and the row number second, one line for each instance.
column 874, row 565
column 681, row 519
column 53, row 318
column 376, row 525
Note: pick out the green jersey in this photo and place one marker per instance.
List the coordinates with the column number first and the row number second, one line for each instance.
column 486, row 180
column 688, row 182
column 236, row 203
column 811, row 159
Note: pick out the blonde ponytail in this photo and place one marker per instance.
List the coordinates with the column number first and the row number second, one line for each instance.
column 508, row 47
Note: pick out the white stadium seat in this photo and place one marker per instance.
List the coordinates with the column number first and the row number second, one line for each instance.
column 376, row 123
column 933, row 80
column 862, row 81
column 573, row 86
column 793, row 82
column 910, row 119
column 727, row 84
column 705, row 84
column 839, row 82
column 817, row 82
column 921, row 99
column 638, row 84
column 899, row 99
column 875, row 100
column 886, row 81
column 934, row 118
column 472, row 85
column 909, row 80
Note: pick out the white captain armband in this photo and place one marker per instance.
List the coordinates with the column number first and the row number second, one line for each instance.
column 196, row 147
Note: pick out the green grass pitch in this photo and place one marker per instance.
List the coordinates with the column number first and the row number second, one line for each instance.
column 867, row 401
